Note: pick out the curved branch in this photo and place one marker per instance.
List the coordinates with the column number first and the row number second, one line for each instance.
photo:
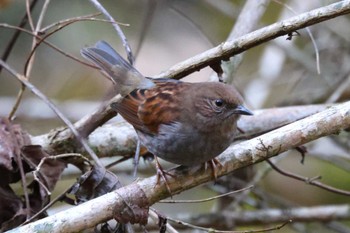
column 308, row 180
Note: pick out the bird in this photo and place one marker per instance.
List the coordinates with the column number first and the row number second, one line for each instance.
column 181, row 122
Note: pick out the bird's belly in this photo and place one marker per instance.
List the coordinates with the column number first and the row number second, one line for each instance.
column 186, row 148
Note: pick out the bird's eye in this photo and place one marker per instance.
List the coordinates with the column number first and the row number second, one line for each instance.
column 219, row 102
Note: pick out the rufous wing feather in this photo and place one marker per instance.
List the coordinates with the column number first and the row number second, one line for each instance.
column 128, row 108
column 160, row 106
column 147, row 109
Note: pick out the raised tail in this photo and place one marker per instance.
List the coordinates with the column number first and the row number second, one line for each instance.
column 124, row 75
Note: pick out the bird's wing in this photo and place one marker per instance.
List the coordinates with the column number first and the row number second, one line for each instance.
column 147, row 109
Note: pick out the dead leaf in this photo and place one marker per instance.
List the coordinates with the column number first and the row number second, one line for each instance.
column 94, row 183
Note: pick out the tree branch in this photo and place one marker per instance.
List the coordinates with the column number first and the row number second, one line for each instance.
column 230, row 48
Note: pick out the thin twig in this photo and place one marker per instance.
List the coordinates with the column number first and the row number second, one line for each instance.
column 211, row 230
column 41, row 16
column 207, row 199
column 154, row 215
column 17, row 102
column 89, row 17
column 60, row 27
column 150, row 12
column 32, row 52
column 194, row 24
column 310, row 34
column 117, row 28
column 310, row 181
column 342, row 87
column 38, row 93
column 54, row 157
column 59, row 197
column 29, row 64
column 29, row 15
column 260, row 174
column 49, row 44
column 108, row 166
column 15, row 36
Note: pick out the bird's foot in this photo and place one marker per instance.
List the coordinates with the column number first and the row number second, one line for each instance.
column 214, row 163
column 163, row 174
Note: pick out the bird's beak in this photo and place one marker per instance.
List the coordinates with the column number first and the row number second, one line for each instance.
column 240, row 109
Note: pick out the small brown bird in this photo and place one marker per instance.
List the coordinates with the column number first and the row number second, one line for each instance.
column 183, row 123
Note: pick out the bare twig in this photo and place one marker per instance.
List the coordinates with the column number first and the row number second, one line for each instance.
column 60, row 196
column 192, row 23
column 262, row 172
column 89, row 17
column 17, row 102
column 39, row 41
column 5, row 25
column 208, row 199
column 151, row 9
column 15, row 36
column 57, row 198
column 310, row 34
column 29, row 64
column 29, row 15
column 117, row 28
column 36, row 172
column 311, row 181
column 274, row 228
column 62, row 24
column 122, row 159
column 155, row 217
column 342, row 87
column 41, row 16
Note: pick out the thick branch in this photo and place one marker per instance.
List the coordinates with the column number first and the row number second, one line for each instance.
column 327, row 122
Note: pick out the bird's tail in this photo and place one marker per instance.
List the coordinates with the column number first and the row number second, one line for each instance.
column 121, row 72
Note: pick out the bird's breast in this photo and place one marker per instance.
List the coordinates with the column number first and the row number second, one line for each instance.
column 186, row 145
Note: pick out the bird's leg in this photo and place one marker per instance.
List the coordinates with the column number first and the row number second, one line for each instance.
column 137, row 157
column 162, row 174
column 214, row 163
